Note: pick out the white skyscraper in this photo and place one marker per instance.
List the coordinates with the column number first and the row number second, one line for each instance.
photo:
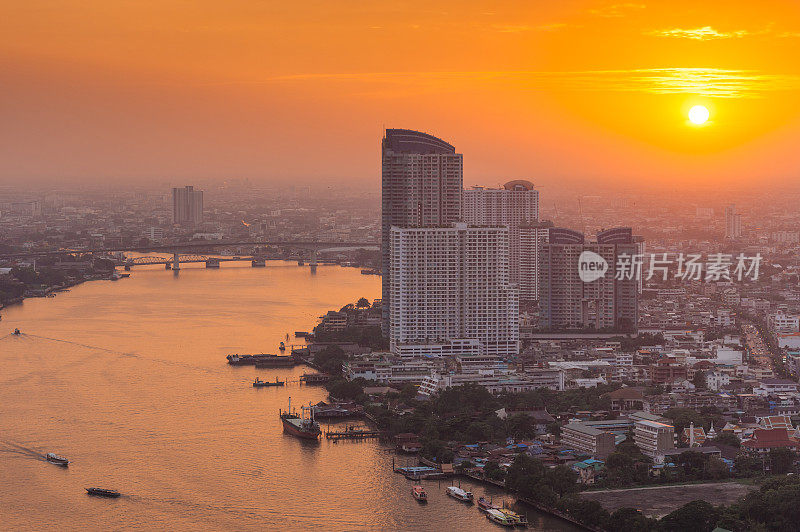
column 187, row 205
column 733, row 222
column 450, row 292
column 515, row 204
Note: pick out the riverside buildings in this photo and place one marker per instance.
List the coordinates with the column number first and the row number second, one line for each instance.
column 450, row 292
column 187, row 206
column 421, row 185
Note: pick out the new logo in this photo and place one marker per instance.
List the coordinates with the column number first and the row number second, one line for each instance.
column 591, row 266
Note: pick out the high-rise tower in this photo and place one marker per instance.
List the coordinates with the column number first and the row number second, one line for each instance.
column 421, row 185
column 187, row 205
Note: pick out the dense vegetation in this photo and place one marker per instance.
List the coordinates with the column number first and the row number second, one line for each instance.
column 368, row 336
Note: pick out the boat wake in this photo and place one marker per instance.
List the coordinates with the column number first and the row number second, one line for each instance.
column 118, row 353
column 22, row 450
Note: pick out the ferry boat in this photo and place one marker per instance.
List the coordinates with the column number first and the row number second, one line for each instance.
column 301, row 334
column 517, row 519
column 457, row 493
column 282, row 347
column 263, row 360
column 500, row 518
column 485, row 506
column 419, row 493
column 303, row 425
column 258, row 383
column 53, row 458
column 101, row 492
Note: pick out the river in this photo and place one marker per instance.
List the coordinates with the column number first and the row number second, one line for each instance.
column 128, row 379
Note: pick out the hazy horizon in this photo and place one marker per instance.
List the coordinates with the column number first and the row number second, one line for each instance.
column 567, row 95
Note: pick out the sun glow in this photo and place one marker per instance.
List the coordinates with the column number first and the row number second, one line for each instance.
column 698, row 115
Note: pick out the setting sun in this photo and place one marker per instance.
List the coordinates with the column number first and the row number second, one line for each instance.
column 698, row 115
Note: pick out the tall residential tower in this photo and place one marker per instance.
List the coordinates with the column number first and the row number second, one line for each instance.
column 421, row 185
column 450, row 292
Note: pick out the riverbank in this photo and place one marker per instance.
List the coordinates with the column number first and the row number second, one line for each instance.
column 33, row 291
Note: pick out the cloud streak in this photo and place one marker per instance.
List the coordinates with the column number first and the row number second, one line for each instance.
column 709, row 82
column 706, row 33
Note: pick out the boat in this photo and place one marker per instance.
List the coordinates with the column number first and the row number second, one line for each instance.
column 419, row 493
column 499, row 517
column 16, row 332
column 101, row 492
column 519, row 520
column 457, row 493
column 263, row 360
column 258, row 383
column 53, row 458
column 282, row 347
column 485, row 505
column 303, row 425
column 300, row 334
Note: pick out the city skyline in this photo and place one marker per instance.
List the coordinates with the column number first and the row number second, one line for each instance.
column 400, row 266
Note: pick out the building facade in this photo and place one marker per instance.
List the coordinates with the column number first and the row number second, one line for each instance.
column 609, row 302
column 733, row 222
column 451, row 283
column 532, row 237
column 421, row 186
column 515, row 204
column 187, row 205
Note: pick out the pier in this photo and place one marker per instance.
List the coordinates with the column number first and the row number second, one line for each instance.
column 352, row 433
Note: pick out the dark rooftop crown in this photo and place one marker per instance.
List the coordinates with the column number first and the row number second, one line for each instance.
column 409, row 141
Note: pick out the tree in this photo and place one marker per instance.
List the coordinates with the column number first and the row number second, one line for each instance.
column 693, row 463
column 746, row 465
column 554, row 428
column 362, row 303
column 492, row 471
column 521, row 426
column 728, row 438
column 629, row 520
column 716, row 469
column 345, row 389
column 781, row 460
column 525, row 475
column 699, row 380
column 696, row 516
column 330, row 359
column 619, row 469
column 587, row 511
column 562, row 480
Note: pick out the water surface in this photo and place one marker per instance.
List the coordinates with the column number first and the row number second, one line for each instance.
column 128, row 380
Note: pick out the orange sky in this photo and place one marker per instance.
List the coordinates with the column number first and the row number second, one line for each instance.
column 556, row 92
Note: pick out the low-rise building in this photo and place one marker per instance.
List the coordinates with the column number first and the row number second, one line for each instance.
column 582, row 437
column 653, row 437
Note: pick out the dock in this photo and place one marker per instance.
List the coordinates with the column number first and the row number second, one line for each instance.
column 353, row 433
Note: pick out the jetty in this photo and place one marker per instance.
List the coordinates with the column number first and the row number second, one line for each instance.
column 352, row 432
